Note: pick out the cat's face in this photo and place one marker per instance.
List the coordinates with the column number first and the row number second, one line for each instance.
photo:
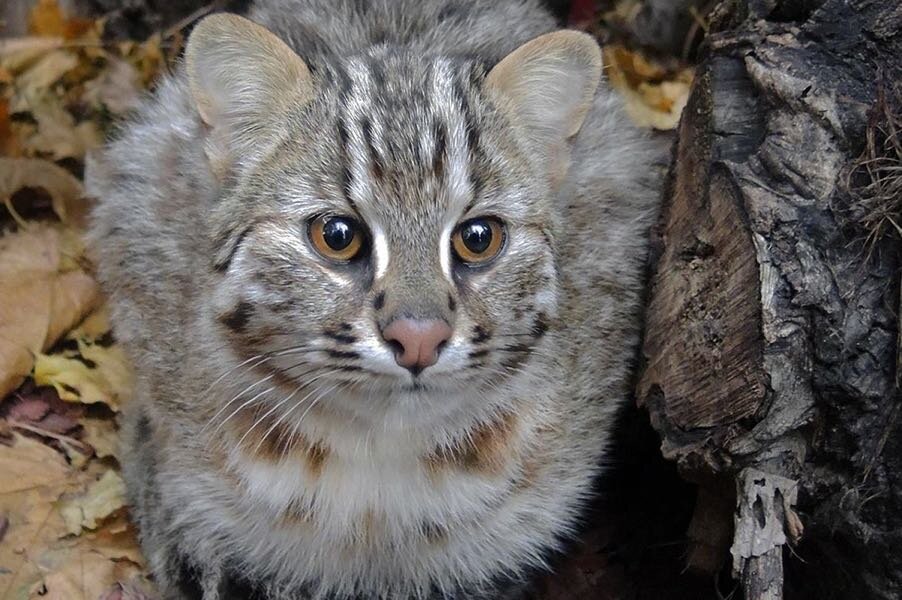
column 389, row 235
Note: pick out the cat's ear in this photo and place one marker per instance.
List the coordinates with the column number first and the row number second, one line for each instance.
column 549, row 84
column 243, row 78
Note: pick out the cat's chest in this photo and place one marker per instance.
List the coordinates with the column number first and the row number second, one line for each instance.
column 387, row 492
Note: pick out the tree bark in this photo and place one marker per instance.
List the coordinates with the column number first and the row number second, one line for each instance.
column 770, row 357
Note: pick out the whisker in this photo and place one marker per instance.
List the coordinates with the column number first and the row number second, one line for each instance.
column 296, row 427
column 274, row 408
column 238, row 395
column 243, row 406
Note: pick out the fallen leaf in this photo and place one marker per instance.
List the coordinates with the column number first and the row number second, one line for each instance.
column 653, row 96
column 32, row 477
column 17, row 54
column 106, row 377
column 47, row 18
column 85, row 576
column 29, row 464
column 63, row 187
column 100, row 500
column 43, row 297
column 49, row 69
column 102, row 435
column 58, row 135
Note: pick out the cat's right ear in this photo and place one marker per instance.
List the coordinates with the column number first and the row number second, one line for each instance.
column 243, row 80
column 548, row 85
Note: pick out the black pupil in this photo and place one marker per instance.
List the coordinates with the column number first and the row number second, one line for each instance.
column 477, row 236
column 338, row 233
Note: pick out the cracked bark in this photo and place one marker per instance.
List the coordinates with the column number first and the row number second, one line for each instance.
column 772, row 329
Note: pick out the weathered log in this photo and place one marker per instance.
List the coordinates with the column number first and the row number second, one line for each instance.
column 772, row 330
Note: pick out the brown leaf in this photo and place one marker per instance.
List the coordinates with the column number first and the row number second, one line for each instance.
column 46, row 18
column 64, row 189
column 43, row 297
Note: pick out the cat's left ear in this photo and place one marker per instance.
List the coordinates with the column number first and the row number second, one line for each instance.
column 548, row 85
column 243, row 80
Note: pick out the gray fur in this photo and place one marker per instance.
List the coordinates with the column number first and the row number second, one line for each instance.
column 378, row 488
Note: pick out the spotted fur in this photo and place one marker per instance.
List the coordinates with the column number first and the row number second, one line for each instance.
column 274, row 448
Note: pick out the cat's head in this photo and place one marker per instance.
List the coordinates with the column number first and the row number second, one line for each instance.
column 386, row 222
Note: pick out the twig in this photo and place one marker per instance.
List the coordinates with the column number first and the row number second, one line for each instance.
column 182, row 23
column 47, row 433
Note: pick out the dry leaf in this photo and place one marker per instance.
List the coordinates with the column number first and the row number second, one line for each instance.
column 102, row 435
column 19, row 53
column 99, row 501
column 46, row 18
column 85, row 576
column 63, row 187
column 653, row 96
column 41, row 298
column 32, row 477
column 49, row 69
column 58, row 135
column 109, row 382
column 98, row 372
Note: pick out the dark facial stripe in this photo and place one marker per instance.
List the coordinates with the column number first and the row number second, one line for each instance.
column 460, row 90
column 375, row 165
column 223, row 264
column 345, row 162
column 440, row 133
column 342, row 354
column 475, row 153
column 237, row 318
column 540, row 325
column 379, row 301
column 342, row 338
column 480, row 335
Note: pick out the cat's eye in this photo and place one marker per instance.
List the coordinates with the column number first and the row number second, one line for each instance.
column 478, row 241
column 335, row 237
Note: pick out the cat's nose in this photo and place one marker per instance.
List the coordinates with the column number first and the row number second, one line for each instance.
column 417, row 342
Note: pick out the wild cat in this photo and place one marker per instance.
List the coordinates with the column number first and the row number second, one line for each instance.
column 379, row 267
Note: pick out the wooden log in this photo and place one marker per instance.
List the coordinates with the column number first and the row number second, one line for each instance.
column 772, row 328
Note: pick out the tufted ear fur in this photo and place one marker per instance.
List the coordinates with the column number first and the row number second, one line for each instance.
column 548, row 85
column 243, row 80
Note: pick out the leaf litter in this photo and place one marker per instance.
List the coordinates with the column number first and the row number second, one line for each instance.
column 64, row 527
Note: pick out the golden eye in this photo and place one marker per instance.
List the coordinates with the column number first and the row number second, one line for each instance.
column 336, row 238
column 478, row 241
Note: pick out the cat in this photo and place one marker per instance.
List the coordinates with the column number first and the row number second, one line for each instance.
column 379, row 266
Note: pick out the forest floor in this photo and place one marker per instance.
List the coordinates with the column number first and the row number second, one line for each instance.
column 64, row 527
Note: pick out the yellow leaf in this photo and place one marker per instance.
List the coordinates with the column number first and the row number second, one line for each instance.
column 99, row 501
column 102, row 435
column 108, row 382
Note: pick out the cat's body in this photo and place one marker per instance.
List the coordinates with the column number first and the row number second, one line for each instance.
column 273, row 444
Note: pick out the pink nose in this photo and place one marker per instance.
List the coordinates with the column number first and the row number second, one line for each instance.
column 419, row 341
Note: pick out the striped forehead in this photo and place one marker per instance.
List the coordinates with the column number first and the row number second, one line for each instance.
column 405, row 126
